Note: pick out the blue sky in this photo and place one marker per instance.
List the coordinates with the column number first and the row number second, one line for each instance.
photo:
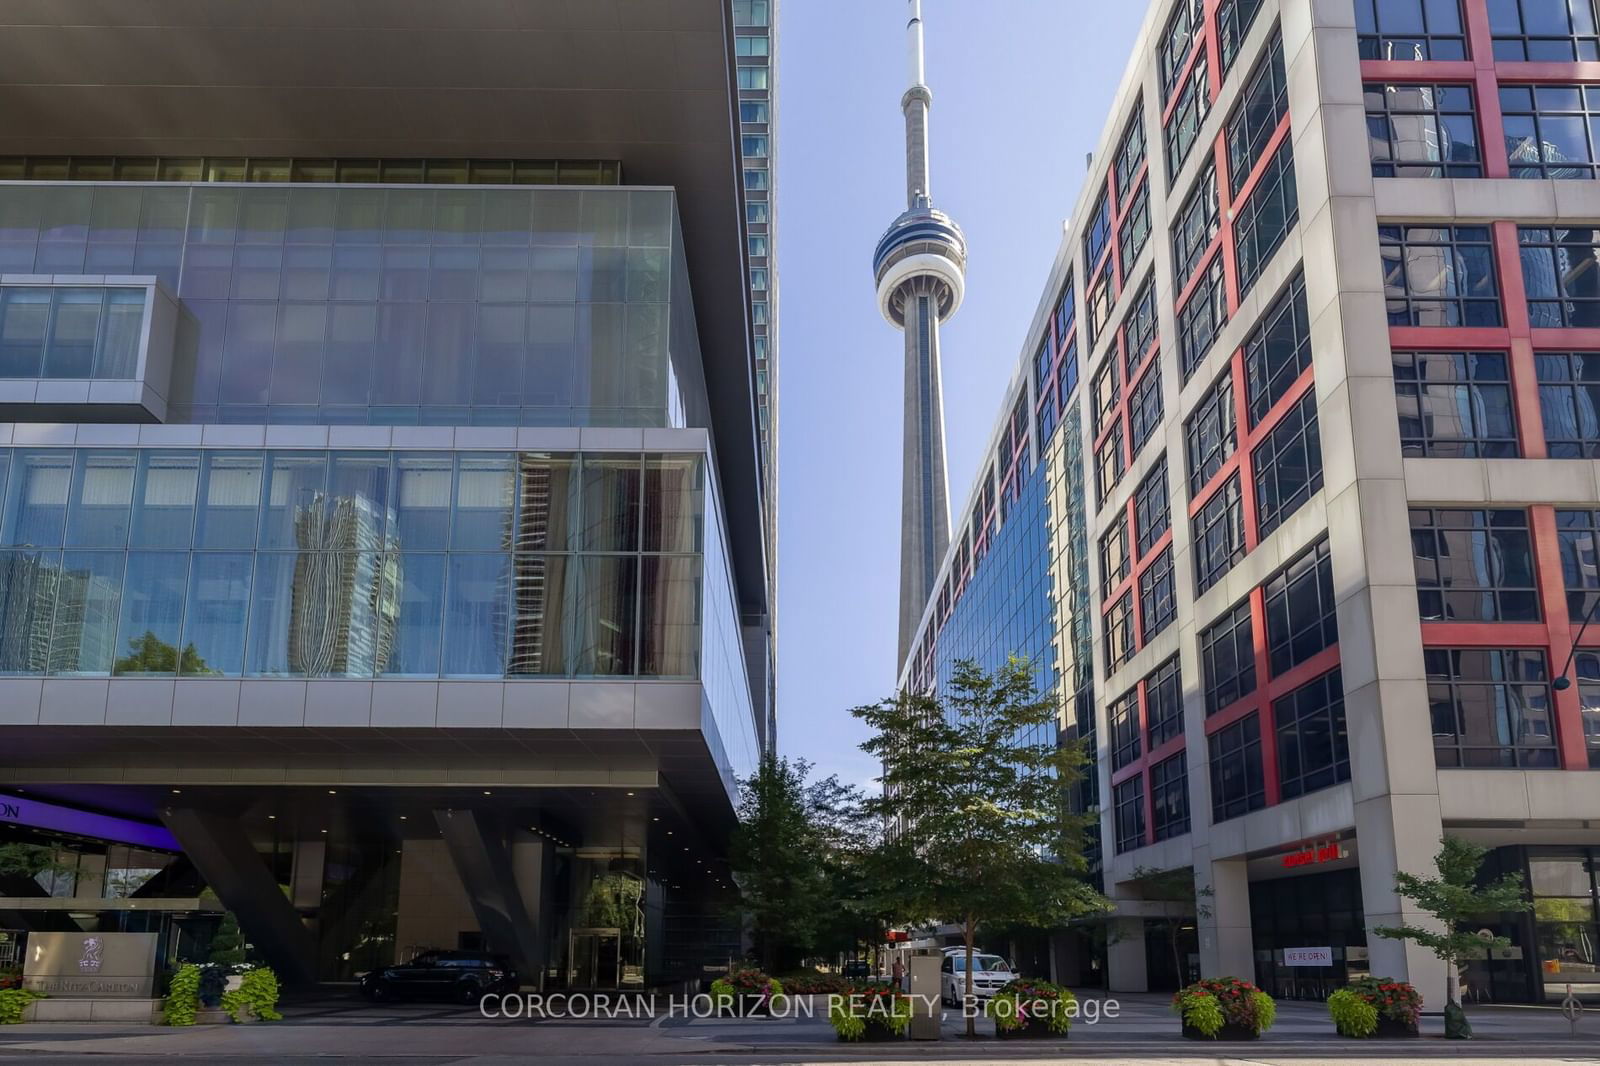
column 1020, row 92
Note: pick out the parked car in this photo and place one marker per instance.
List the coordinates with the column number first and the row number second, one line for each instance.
column 458, row 976
column 989, row 974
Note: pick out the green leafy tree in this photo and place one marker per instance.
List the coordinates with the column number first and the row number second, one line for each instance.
column 854, row 912
column 149, row 654
column 775, row 862
column 1455, row 900
column 975, row 797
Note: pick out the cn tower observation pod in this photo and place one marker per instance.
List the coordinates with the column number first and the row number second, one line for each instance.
column 923, row 243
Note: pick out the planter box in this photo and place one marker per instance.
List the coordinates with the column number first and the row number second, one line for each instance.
column 1393, row 1029
column 1031, row 1031
column 1388, row 1029
column 1227, row 1032
column 877, row 1034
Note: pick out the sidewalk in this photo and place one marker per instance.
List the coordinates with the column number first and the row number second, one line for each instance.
column 1145, row 1028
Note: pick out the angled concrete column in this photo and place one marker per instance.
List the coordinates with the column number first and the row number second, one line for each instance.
column 533, row 868
column 1125, row 960
column 221, row 850
column 1222, row 905
column 483, row 860
column 310, row 856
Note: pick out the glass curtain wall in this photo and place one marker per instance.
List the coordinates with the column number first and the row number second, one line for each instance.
column 355, row 564
column 384, row 305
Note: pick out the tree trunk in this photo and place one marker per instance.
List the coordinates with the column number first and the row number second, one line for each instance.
column 1177, row 955
column 970, row 931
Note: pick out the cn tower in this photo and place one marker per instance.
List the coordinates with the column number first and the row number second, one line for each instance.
column 920, row 266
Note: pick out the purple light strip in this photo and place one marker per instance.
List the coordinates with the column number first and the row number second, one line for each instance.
column 30, row 812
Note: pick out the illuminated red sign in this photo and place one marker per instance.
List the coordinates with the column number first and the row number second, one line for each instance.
column 1313, row 855
column 897, row 934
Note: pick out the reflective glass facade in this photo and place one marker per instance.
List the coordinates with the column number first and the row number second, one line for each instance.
column 352, row 564
column 384, row 305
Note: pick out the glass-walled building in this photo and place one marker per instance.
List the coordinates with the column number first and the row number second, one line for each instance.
column 1328, row 279
column 383, row 513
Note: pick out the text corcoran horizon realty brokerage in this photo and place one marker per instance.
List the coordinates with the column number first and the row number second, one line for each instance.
column 601, row 1005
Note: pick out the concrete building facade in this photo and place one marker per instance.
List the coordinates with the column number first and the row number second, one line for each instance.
column 1334, row 453
column 383, row 513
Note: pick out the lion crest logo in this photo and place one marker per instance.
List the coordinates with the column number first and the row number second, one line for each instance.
column 89, row 961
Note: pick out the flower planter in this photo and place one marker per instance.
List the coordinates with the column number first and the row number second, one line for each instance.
column 877, row 1034
column 1227, row 1032
column 749, row 1005
column 1031, row 1031
column 1395, row 1029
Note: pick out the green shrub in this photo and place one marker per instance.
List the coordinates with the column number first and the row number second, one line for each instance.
column 1023, row 1000
column 183, row 997
column 1352, row 1015
column 726, row 991
column 12, row 1002
column 1212, row 1002
column 876, row 1005
column 257, row 993
column 1377, row 997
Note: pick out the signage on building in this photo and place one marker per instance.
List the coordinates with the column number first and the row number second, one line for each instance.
column 1308, row 956
column 1315, row 854
column 98, row 965
column 31, row 812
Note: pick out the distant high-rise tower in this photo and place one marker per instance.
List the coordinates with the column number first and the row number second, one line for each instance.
column 920, row 266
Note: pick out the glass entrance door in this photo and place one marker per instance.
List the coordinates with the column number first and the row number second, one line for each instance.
column 595, row 958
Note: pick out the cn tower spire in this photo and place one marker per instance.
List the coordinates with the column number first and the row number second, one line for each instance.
column 920, row 267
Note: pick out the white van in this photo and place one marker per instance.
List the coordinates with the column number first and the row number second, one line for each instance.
column 989, row 974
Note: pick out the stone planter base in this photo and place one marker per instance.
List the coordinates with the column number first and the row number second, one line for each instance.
column 1227, row 1032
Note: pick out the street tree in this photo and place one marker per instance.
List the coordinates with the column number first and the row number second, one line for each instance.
column 975, row 796
column 1455, row 900
column 796, row 855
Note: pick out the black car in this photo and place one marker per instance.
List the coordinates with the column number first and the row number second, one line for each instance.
column 458, row 976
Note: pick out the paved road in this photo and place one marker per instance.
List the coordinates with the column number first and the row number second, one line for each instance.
column 350, row 1031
